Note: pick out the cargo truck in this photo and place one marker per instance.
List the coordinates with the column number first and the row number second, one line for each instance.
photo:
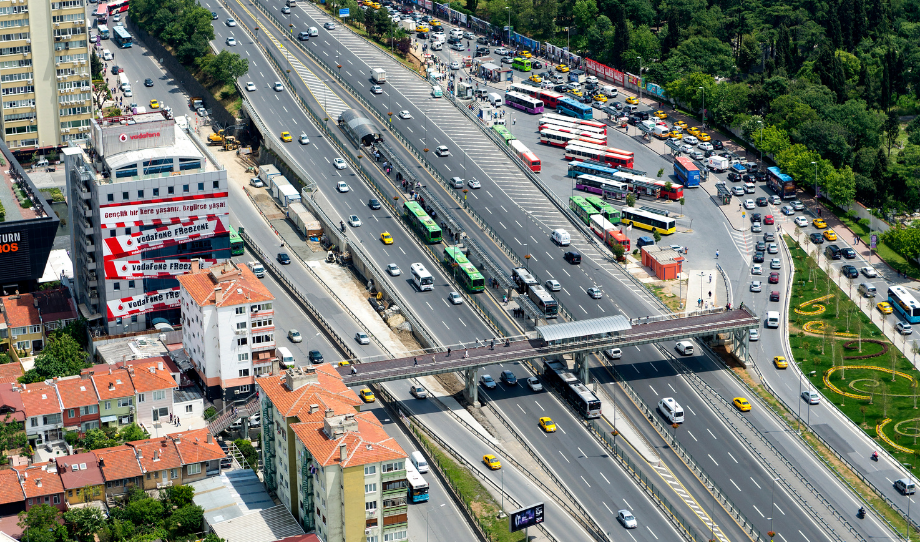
column 379, row 75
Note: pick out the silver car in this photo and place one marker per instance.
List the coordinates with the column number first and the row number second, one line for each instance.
column 811, row 397
column 473, row 183
column 756, row 286
column 775, row 263
column 362, row 338
column 552, row 285
column 455, row 298
column 595, row 293
column 627, row 519
column 393, row 270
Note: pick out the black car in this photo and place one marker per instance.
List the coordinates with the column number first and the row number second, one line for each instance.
column 734, row 177
column 283, row 258
column 760, row 176
column 758, row 257
column 761, row 246
column 537, row 65
column 716, row 144
column 424, row 36
column 616, row 105
column 633, row 119
column 762, row 201
column 213, row 16
column 849, row 272
column 832, row 252
column 747, row 178
column 573, row 258
column 509, row 378
column 373, row 204
column 816, row 238
column 644, row 115
column 848, row 253
column 116, row 70
column 755, row 217
column 316, row 356
column 148, row 82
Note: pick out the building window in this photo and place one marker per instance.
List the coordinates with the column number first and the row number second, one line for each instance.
column 395, row 536
column 116, row 286
column 241, row 325
column 242, row 341
column 243, row 373
column 370, row 505
column 159, row 395
column 127, row 231
column 110, row 197
column 91, row 409
column 140, row 193
column 33, row 422
column 185, row 188
column 370, row 470
column 370, row 488
column 113, row 233
column 131, row 284
column 124, row 196
column 194, row 468
column 241, row 310
column 156, row 192
column 242, row 357
column 216, row 184
column 245, row 389
column 57, row 499
column 173, row 474
column 71, row 413
column 108, row 405
column 141, row 398
column 189, row 409
column 201, row 187
column 133, row 318
column 170, row 189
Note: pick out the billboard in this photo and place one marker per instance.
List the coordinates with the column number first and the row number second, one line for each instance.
column 528, row 516
column 164, row 236
column 138, row 269
column 113, row 138
column 137, row 304
column 15, row 262
column 121, row 215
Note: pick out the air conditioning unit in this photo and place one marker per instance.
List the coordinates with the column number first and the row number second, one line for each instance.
column 58, row 63
column 28, row 40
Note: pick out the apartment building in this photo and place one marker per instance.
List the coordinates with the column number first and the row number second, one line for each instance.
column 116, row 397
column 333, row 467
column 160, row 461
column 79, row 403
column 81, row 477
column 30, row 318
column 153, row 388
column 144, row 208
column 46, row 82
column 42, row 409
column 228, row 328
column 12, row 498
column 120, row 468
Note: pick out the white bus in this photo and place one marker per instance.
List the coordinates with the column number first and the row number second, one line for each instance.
column 551, row 117
column 418, row 487
column 422, row 278
column 600, row 226
column 561, row 139
column 544, row 301
column 595, row 133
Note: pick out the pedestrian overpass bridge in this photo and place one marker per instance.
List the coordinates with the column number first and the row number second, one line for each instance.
column 580, row 338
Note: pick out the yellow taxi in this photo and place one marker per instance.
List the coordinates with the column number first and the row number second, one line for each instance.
column 741, row 404
column 599, row 98
column 343, row 363
column 780, row 362
column 422, row 28
column 681, row 124
column 884, row 307
column 830, row 235
column 575, row 92
column 154, row 104
column 660, row 114
column 704, row 137
column 491, row 461
column 386, row 238
column 632, row 100
column 676, row 135
column 526, row 54
column 547, row 425
column 694, row 130
column 536, row 78
column 433, row 23
column 286, row 137
column 819, row 223
column 562, row 68
column 367, row 395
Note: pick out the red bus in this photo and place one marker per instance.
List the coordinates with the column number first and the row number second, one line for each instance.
column 102, row 13
column 617, row 237
column 530, row 159
column 581, row 151
column 118, row 6
column 550, row 98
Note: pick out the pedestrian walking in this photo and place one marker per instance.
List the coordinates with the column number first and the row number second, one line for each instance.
column 717, row 254
column 710, row 293
column 416, row 361
column 448, row 351
column 466, row 353
column 710, row 278
column 492, row 345
column 354, row 370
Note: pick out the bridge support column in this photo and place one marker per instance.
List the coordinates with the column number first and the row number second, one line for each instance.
column 741, row 346
column 471, row 392
column 581, row 367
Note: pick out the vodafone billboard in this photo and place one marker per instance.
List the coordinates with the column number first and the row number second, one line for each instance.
column 149, row 131
column 150, row 301
column 164, row 236
column 135, row 269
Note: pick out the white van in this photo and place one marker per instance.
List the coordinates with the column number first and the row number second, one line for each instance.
column 437, row 45
column 772, row 319
column 685, row 348
column 456, row 33
column 867, row 289
column 313, row 31
column 107, row 55
column 418, row 461
column 494, row 99
column 671, row 410
column 562, row 238
column 285, row 357
column 609, row 91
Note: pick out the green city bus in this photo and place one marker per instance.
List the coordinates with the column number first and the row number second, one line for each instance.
column 503, row 133
column 464, row 271
column 521, row 64
column 611, row 213
column 582, row 208
column 423, row 225
column 236, row 243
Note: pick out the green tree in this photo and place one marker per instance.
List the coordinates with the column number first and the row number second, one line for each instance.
column 84, row 523
column 656, row 236
column 62, row 356
column 585, row 14
column 728, row 101
column 96, row 439
column 40, row 524
column 841, row 186
column 77, row 330
column 12, row 435
column 226, row 67
column 245, row 447
column 892, row 129
column 132, row 432
column 544, row 17
column 903, row 240
column 621, row 35
column 185, row 521
column 145, row 512
column 177, row 496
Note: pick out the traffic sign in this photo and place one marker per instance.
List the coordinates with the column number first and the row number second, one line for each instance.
column 344, row 12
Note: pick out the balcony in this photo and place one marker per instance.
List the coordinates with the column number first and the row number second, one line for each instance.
column 91, row 265
column 370, row 514
column 395, row 475
column 161, row 485
column 88, row 213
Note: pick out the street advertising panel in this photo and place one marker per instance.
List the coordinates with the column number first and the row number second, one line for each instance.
column 147, row 302
column 137, row 269
column 164, row 236
column 163, row 211
column 528, row 516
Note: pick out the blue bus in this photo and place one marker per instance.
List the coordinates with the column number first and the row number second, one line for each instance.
column 780, row 183
column 578, row 168
column 121, row 37
column 686, row 171
column 418, row 487
column 904, row 304
column 570, row 107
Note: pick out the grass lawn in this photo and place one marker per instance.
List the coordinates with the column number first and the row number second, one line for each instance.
column 864, row 389
column 671, row 300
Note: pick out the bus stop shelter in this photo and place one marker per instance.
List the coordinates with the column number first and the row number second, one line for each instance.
column 723, row 194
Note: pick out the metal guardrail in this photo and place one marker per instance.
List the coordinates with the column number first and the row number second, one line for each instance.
column 728, row 284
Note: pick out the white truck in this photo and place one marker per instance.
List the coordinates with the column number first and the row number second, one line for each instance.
column 717, row 163
column 257, row 269
column 379, row 75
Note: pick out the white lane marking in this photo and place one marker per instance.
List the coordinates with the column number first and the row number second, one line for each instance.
column 755, row 482
column 564, row 457
column 713, row 460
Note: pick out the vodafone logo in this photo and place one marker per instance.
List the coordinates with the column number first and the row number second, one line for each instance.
column 124, row 268
column 146, row 135
column 123, row 138
column 129, row 242
column 121, row 307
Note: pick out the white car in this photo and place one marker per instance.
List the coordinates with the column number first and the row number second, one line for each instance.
column 455, row 65
column 754, row 335
column 798, row 205
column 788, row 210
column 354, row 221
column 231, row 22
column 488, row 382
column 811, row 397
column 278, row 86
column 294, row 336
column 775, row 200
column 339, row 163
column 473, row 183
column 868, row 272
column 250, row 86
column 534, row 384
column 342, row 187
column 773, row 248
column 231, row 41
column 441, row 150
column 801, row 221
column 757, row 269
column 304, row 140
column 705, row 146
column 405, row 114
column 375, row 89
column 691, row 140
column 749, row 204
column 362, row 338
column 501, row 51
column 455, row 298
column 553, row 285
column 686, row 149
column 756, row 227
column 738, row 190
column 393, row 270
column 329, row 26
column 775, row 263
column 756, row 286
column 627, row 519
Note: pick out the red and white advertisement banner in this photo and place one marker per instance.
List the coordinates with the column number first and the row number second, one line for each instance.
column 164, row 209
column 604, row 72
column 136, row 269
column 138, row 304
column 165, row 236
column 159, row 222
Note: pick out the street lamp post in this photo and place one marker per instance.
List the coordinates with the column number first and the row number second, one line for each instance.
column 704, row 106
column 816, row 185
column 772, row 505
column 712, row 517
column 702, row 274
column 640, row 79
column 761, row 140
column 509, row 24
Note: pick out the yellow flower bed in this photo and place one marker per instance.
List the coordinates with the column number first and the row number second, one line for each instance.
column 832, row 370
column 819, row 307
column 880, row 430
column 817, row 327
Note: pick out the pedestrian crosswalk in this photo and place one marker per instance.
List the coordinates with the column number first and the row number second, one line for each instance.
column 691, row 503
column 743, row 240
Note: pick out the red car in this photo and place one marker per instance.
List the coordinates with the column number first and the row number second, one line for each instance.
column 774, row 296
column 768, row 219
column 774, row 278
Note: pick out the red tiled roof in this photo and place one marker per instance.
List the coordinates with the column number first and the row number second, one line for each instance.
column 369, row 444
column 118, row 463
column 238, row 285
column 77, row 392
column 148, row 377
column 157, row 454
column 10, row 490
column 302, row 538
column 168, row 362
column 10, row 372
column 79, row 470
column 37, row 482
column 39, row 399
column 194, row 447
column 11, row 399
column 289, row 403
column 20, row 310
column 120, row 382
